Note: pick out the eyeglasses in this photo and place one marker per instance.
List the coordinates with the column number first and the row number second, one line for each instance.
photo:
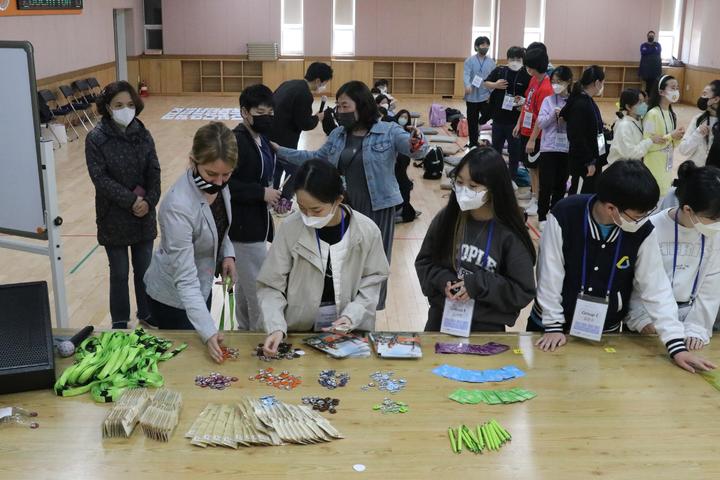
column 641, row 219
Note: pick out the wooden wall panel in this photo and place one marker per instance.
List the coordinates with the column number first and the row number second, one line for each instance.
column 274, row 73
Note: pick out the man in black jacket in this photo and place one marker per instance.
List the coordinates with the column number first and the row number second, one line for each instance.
column 293, row 114
column 251, row 193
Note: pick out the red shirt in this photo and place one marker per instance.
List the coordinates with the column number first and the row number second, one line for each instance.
column 534, row 96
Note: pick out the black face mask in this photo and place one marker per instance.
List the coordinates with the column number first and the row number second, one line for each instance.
column 346, row 119
column 263, row 124
column 205, row 186
column 651, row 39
column 483, row 51
column 702, row 103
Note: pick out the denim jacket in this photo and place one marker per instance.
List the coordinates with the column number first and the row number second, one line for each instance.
column 385, row 141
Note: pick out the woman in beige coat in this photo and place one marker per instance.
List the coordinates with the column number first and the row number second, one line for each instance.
column 326, row 264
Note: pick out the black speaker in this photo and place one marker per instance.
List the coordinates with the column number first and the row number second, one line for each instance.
column 26, row 346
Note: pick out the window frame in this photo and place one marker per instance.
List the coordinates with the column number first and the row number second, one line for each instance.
column 292, row 27
column 338, row 27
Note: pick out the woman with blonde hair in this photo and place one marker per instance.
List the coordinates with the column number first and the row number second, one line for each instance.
column 194, row 219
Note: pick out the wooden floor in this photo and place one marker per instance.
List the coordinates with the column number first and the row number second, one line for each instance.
column 86, row 264
column 622, row 415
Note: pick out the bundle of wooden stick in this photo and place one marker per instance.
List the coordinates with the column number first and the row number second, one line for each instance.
column 157, row 415
column 125, row 414
column 256, row 423
column 161, row 416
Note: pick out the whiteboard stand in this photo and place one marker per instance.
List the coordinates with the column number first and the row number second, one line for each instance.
column 53, row 249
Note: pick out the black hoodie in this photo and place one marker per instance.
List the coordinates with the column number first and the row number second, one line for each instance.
column 584, row 123
column 251, row 217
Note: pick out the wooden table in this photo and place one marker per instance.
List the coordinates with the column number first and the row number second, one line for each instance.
column 628, row 414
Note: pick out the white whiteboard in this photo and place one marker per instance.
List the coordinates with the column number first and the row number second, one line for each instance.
column 22, row 202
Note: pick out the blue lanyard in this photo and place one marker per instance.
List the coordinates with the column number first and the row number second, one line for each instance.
column 342, row 230
column 613, row 268
column 693, row 294
column 488, row 244
column 482, row 64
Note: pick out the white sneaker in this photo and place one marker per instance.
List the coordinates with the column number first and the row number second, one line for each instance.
column 541, row 225
column 532, row 209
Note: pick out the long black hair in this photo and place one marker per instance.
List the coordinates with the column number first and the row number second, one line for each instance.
column 589, row 76
column 699, row 188
column 715, row 87
column 399, row 114
column 654, row 99
column 486, row 167
column 365, row 106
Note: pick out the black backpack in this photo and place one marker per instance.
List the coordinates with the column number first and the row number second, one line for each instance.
column 433, row 164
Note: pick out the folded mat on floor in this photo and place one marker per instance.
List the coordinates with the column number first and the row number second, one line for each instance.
column 429, row 131
column 443, row 139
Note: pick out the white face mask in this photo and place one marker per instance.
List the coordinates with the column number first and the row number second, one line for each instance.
column 673, row 96
column 558, row 88
column 709, row 230
column 317, row 222
column 322, row 87
column 515, row 66
column 123, row 116
column 402, row 121
column 383, row 89
column 628, row 226
column 600, row 92
column 469, row 199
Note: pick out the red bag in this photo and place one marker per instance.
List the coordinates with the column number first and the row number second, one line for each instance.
column 462, row 128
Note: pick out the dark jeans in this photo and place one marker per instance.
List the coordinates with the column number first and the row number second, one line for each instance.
column 477, row 114
column 406, row 210
column 501, row 134
column 171, row 318
column 651, row 84
column 553, row 171
column 119, row 271
column 282, row 166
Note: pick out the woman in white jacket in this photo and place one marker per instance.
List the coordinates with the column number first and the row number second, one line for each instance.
column 690, row 247
column 326, row 265
column 699, row 136
column 628, row 142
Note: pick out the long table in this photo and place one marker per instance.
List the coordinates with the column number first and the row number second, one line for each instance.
column 616, row 409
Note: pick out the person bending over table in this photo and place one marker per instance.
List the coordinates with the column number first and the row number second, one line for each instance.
column 195, row 217
column 595, row 251
column 326, row 266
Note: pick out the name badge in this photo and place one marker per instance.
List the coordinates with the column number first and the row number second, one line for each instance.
column 669, row 150
column 477, row 81
column 457, row 317
column 508, row 102
column 527, row 120
column 561, row 142
column 601, row 144
column 327, row 314
column 589, row 318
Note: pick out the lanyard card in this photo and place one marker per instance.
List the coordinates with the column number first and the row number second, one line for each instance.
column 326, row 315
column 589, row 318
column 477, row 81
column 561, row 142
column 508, row 102
column 669, row 157
column 457, row 317
column 601, row 144
column 527, row 119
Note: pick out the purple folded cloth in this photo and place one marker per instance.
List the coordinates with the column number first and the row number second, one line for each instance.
column 490, row 348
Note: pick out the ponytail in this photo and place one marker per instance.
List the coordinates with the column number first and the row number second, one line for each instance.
column 589, row 76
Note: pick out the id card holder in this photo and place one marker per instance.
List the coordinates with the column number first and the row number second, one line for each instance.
column 669, row 150
column 527, row 120
column 457, row 317
column 561, row 142
column 589, row 318
column 508, row 102
column 477, row 81
column 601, row 144
column 327, row 314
